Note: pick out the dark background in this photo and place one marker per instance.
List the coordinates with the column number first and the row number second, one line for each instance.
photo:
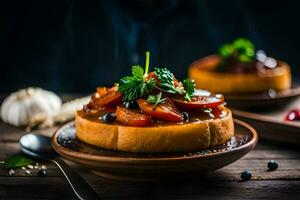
column 75, row 46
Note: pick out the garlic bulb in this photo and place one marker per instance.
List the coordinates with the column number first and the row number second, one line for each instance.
column 29, row 106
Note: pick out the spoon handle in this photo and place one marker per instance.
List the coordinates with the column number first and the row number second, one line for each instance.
column 80, row 187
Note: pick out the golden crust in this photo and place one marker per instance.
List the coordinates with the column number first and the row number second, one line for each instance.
column 278, row 78
column 169, row 138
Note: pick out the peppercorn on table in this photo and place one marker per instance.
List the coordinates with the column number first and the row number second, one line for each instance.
column 281, row 183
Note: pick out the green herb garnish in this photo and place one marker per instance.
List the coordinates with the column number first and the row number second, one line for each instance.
column 241, row 49
column 139, row 85
column 17, row 161
column 189, row 87
column 167, row 81
column 156, row 99
column 136, row 86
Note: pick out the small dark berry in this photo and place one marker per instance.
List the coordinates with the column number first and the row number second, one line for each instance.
column 42, row 173
column 246, row 175
column 109, row 117
column 185, row 116
column 130, row 105
column 272, row 165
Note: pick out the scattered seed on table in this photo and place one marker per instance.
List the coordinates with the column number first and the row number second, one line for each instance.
column 11, row 172
column 30, row 166
column 246, row 175
column 272, row 165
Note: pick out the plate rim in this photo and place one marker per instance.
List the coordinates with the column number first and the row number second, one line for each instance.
column 113, row 159
column 262, row 118
column 294, row 91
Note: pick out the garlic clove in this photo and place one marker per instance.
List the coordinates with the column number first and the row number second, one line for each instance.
column 23, row 119
column 11, row 118
column 54, row 98
column 4, row 109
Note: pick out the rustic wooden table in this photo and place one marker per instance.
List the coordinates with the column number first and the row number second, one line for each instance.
column 283, row 183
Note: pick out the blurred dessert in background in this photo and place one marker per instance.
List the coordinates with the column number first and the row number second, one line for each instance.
column 239, row 68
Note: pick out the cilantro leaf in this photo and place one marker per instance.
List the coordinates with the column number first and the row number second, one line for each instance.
column 136, row 86
column 156, row 99
column 189, row 87
column 137, row 72
column 133, row 87
column 147, row 86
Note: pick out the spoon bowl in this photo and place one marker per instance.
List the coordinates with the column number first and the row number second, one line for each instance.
column 39, row 146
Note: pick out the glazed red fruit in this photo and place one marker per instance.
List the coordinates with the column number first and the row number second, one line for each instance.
column 199, row 102
column 166, row 111
column 131, row 117
column 293, row 115
column 102, row 90
column 111, row 98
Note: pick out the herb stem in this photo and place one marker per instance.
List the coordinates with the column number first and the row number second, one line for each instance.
column 147, row 62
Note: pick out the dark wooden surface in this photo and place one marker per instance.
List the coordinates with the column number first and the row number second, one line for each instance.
column 284, row 183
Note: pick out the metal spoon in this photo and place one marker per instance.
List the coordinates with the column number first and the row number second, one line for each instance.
column 39, row 146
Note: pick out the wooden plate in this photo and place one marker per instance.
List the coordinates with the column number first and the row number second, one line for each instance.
column 272, row 124
column 152, row 167
column 268, row 100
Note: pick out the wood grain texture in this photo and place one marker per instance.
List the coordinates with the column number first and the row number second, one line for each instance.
column 284, row 183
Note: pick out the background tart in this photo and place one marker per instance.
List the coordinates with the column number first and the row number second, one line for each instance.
column 189, row 136
column 202, row 71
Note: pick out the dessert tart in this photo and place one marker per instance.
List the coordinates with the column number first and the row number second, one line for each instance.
column 148, row 112
column 237, row 68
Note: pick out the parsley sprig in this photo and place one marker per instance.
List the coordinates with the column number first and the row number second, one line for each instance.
column 136, row 85
column 156, row 99
column 241, row 49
